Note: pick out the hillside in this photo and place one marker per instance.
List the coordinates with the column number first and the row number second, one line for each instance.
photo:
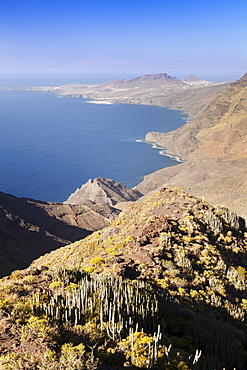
column 30, row 228
column 170, row 264
column 213, row 146
column 159, row 79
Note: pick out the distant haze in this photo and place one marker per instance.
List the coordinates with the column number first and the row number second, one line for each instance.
column 58, row 79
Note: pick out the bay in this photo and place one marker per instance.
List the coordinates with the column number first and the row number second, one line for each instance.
column 49, row 146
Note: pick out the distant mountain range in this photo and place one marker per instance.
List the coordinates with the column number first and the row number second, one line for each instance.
column 191, row 94
column 155, row 80
column 145, row 81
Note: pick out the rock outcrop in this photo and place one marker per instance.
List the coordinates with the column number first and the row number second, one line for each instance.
column 103, row 191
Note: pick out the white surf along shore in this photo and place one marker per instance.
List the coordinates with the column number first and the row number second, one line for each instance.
column 162, row 151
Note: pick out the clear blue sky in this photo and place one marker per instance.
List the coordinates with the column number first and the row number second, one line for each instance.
column 122, row 36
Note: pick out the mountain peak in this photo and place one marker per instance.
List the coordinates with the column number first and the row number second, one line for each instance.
column 156, row 76
column 194, row 80
column 145, row 81
column 103, row 191
column 190, row 78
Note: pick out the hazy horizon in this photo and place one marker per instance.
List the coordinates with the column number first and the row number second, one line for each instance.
column 57, row 79
column 129, row 38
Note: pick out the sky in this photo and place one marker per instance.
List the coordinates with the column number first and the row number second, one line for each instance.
column 122, row 36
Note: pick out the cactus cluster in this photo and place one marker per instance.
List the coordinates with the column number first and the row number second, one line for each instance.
column 168, row 277
column 119, row 305
column 120, row 308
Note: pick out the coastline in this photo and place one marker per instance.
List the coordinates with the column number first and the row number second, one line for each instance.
column 162, row 150
column 197, row 173
column 124, row 125
column 106, row 102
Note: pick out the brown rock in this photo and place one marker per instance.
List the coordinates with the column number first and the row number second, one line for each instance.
column 213, row 146
column 30, row 228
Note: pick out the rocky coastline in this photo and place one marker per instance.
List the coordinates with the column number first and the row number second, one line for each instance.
column 213, row 148
column 210, row 148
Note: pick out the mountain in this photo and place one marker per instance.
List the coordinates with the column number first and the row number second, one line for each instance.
column 164, row 285
column 190, row 95
column 213, row 147
column 159, row 79
column 161, row 286
column 103, row 191
column 30, row 228
column 194, row 80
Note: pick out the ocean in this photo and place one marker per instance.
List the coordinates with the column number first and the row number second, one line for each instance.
column 50, row 146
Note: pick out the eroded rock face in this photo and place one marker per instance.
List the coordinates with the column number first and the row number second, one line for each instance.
column 103, row 191
column 213, row 146
column 29, row 228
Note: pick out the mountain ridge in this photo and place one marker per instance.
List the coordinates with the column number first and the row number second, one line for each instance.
column 170, row 262
column 163, row 285
column 30, row 228
column 213, row 146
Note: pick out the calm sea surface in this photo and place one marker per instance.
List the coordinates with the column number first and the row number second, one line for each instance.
column 49, row 146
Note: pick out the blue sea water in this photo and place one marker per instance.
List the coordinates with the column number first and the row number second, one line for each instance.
column 49, row 146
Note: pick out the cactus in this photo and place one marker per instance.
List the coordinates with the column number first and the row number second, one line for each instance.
column 118, row 305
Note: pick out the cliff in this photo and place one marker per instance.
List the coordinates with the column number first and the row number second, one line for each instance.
column 213, row 146
column 161, row 286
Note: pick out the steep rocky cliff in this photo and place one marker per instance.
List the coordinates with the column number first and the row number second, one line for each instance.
column 213, row 146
